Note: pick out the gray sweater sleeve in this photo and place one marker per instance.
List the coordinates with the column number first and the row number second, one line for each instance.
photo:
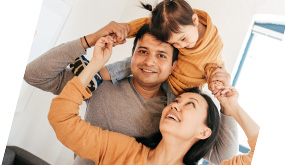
column 49, row 72
column 227, row 142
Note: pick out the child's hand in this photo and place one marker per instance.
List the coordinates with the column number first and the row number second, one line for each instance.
column 219, row 76
column 117, row 42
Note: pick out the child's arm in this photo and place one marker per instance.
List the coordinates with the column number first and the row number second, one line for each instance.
column 218, row 76
column 135, row 26
column 118, row 70
column 210, row 69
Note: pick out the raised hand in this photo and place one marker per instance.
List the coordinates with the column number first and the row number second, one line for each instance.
column 101, row 55
column 103, row 49
column 119, row 31
column 219, row 74
column 228, row 98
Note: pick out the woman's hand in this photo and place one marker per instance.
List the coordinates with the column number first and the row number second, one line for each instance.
column 228, row 98
column 101, row 55
column 230, row 106
column 103, row 50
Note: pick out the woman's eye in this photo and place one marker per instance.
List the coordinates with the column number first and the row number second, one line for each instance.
column 191, row 103
column 175, row 101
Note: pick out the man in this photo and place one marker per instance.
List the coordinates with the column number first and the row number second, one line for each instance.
column 133, row 105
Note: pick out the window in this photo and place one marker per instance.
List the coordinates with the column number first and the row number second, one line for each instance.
column 259, row 73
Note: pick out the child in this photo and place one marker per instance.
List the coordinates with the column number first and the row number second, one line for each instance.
column 192, row 32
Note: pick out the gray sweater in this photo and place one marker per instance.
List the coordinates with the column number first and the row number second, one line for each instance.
column 117, row 107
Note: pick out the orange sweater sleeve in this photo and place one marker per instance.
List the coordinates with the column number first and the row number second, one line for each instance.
column 136, row 24
column 87, row 141
column 245, row 158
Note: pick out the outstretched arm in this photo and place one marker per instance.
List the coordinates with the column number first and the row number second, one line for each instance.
column 227, row 141
column 101, row 55
column 49, row 72
column 230, row 106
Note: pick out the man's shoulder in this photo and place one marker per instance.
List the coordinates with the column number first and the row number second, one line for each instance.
column 119, row 85
column 124, row 81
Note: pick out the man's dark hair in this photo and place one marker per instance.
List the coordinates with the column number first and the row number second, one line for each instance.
column 146, row 30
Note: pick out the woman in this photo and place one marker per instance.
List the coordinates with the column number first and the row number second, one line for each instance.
column 187, row 124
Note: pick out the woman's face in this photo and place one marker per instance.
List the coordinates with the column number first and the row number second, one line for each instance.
column 186, row 39
column 185, row 117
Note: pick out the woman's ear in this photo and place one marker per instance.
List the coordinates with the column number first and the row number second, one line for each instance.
column 195, row 19
column 205, row 133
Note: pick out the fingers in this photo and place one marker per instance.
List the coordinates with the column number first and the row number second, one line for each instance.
column 220, row 74
column 109, row 41
column 105, row 42
column 223, row 91
column 120, row 42
column 121, row 30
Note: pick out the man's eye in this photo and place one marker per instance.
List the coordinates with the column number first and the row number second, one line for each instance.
column 142, row 52
column 162, row 56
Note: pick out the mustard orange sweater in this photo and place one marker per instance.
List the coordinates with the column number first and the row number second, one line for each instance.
column 193, row 63
column 102, row 146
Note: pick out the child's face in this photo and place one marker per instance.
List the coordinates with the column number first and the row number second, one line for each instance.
column 186, row 39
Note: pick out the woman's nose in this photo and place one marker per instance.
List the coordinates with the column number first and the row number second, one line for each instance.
column 175, row 107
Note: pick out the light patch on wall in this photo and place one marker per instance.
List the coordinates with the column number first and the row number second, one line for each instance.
column 55, row 13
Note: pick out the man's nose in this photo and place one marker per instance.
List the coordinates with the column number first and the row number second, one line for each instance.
column 150, row 60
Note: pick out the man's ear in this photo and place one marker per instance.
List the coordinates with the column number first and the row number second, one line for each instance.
column 205, row 133
column 195, row 19
column 173, row 65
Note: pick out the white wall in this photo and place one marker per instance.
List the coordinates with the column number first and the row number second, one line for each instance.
column 31, row 129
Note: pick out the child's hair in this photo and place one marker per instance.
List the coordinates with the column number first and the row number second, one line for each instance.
column 200, row 148
column 168, row 16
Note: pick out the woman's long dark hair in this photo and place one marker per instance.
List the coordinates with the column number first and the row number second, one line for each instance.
column 168, row 16
column 200, row 148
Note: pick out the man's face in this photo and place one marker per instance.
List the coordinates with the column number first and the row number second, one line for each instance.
column 152, row 61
